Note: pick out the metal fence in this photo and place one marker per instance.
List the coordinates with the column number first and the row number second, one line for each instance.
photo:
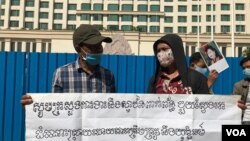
column 32, row 73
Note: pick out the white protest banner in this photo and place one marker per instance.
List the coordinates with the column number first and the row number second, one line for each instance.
column 129, row 117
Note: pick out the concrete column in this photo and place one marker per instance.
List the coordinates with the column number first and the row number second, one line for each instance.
column 24, row 48
column 184, row 47
column 21, row 14
column 51, row 14
column 65, row 14
column 7, row 44
column 190, row 50
column 7, row 14
column 36, row 14
column 38, row 45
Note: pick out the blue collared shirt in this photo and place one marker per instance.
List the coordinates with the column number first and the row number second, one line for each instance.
column 71, row 78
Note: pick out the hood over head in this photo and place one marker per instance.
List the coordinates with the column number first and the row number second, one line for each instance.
column 176, row 44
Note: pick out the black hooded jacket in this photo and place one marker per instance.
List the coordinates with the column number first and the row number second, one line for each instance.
column 190, row 78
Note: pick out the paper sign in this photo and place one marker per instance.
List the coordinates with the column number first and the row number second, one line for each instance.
column 213, row 58
column 129, row 117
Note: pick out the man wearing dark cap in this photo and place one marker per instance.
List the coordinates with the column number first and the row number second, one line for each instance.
column 85, row 75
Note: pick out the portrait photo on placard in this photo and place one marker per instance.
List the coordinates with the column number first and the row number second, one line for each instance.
column 213, row 58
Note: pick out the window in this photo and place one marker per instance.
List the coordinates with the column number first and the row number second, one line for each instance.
column 209, row 29
column 57, row 26
column 29, row 3
column 142, row 18
column 154, row 29
column 182, row 8
column 142, row 28
column 15, row 2
column 195, row 8
column 142, row 8
column 225, row 28
column 1, row 22
column 44, row 15
column 225, row 7
column 98, row 26
column 195, row 18
column 113, row 27
column 85, row 17
column 240, row 17
column 154, row 18
column 44, row 4
column 2, row 12
column 127, row 18
column 2, row 46
column 29, row 14
column 225, row 17
column 209, row 7
column 71, row 27
column 49, row 47
column 195, row 29
column 127, row 27
column 97, row 17
column 240, row 6
column 57, row 16
column 154, row 8
column 43, row 26
column 2, row 2
column 224, row 51
column 182, row 19
column 240, row 28
column 12, row 46
column 168, row 29
column 27, row 46
column 168, row 19
column 98, row 6
column 182, row 29
column 72, row 7
column 14, row 24
column 58, row 6
column 127, row 7
column 208, row 18
column 168, row 0
column 19, row 46
column 28, row 25
column 168, row 9
column 86, row 6
column 113, row 7
column 34, row 47
column 71, row 17
column 113, row 18
column 43, row 47
column 14, row 13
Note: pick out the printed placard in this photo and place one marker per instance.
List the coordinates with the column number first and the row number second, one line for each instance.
column 129, row 117
column 213, row 58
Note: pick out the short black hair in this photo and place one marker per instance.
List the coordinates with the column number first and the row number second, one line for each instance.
column 195, row 58
column 244, row 60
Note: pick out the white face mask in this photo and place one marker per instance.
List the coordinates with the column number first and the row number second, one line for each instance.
column 246, row 72
column 165, row 58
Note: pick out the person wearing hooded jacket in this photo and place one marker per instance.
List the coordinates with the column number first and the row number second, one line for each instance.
column 172, row 76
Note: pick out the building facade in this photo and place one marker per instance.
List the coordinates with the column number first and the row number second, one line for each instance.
column 137, row 20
